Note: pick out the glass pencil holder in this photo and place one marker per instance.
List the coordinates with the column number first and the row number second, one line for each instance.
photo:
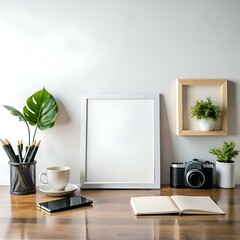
column 22, row 178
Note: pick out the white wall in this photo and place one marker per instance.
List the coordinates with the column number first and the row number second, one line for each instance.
column 77, row 46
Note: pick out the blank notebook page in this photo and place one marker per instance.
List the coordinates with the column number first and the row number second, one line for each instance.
column 153, row 205
column 198, row 203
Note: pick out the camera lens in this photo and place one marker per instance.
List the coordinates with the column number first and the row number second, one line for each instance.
column 195, row 178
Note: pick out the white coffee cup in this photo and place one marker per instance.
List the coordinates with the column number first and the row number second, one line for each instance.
column 56, row 177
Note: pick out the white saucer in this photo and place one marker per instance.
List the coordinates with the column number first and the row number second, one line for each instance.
column 70, row 188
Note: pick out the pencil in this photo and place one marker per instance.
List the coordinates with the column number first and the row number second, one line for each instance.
column 9, row 151
column 19, row 151
column 10, row 146
column 29, row 151
column 34, row 152
column 21, row 146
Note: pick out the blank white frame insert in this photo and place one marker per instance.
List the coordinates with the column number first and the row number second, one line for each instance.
column 120, row 141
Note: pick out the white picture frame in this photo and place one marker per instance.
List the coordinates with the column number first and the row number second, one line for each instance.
column 120, row 141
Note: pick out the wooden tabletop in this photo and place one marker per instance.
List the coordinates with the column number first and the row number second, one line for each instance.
column 111, row 217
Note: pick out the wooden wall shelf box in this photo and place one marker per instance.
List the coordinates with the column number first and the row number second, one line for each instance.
column 191, row 90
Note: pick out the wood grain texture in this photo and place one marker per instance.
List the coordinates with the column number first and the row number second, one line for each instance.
column 111, row 217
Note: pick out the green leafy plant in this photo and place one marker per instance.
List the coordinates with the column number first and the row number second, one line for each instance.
column 226, row 152
column 206, row 110
column 40, row 111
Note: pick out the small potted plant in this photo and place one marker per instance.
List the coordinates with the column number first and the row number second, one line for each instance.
column 225, row 166
column 207, row 113
column 40, row 111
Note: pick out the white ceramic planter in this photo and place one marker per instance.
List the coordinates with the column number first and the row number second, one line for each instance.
column 206, row 124
column 225, row 174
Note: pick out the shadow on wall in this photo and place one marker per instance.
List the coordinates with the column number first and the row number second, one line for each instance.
column 63, row 115
column 232, row 109
column 166, row 144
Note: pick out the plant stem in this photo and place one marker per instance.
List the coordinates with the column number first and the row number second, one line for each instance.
column 29, row 137
column 34, row 135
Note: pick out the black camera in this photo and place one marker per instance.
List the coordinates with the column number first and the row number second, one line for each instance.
column 194, row 174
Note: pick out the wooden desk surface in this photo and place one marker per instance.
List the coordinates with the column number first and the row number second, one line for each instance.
column 111, row 217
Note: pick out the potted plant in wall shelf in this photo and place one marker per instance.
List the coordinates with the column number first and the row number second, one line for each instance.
column 207, row 113
column 40, row 111
column 225, row 166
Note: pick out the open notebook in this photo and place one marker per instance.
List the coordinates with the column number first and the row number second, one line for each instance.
column 174, row 204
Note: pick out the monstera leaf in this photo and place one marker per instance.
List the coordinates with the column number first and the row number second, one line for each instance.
column 41, row 110
column 15, row 112
column 21, row 117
